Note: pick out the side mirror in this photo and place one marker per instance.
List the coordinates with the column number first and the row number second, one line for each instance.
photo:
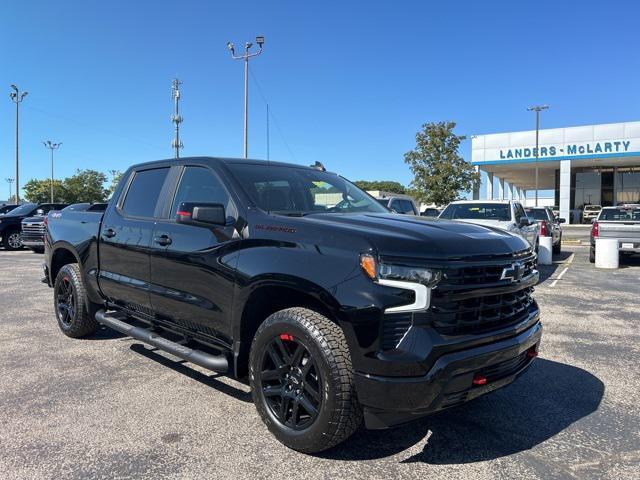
column 562, row 220
column 201, row 214
column 524, row 222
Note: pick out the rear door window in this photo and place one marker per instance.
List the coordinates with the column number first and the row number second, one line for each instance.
column 144, row 192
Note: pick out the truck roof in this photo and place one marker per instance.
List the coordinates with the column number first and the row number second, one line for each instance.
column 223, row 160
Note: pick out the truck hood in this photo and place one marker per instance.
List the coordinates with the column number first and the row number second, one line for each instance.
column 409, row 236
column 503, row 224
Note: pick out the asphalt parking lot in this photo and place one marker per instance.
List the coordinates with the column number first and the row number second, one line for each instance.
column 109, row 407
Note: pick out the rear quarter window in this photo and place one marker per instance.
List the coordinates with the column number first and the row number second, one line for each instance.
column 143, row 193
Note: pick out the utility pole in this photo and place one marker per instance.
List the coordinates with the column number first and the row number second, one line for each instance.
column 268, row 132
column 52, row 146
column 246, row 56
column 537, row 109
column 176, row 118
column 9, row 181
column 16, row 97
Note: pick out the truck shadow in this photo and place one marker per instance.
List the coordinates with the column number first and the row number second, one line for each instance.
column 548, row 398
column 180, row 367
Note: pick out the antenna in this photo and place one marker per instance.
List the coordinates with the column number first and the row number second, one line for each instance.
column 176, row 118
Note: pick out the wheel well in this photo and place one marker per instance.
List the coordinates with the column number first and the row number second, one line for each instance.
column 262, row 303
column 60, row 258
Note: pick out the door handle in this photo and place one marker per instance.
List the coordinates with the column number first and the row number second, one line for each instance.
column 109, row 233
column 163, row 240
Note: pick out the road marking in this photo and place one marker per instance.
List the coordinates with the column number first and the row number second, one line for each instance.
column 553, row 284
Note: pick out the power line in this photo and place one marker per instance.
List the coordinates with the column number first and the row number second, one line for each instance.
column 272, row 115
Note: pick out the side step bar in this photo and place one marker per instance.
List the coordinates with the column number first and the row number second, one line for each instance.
column 217, row 363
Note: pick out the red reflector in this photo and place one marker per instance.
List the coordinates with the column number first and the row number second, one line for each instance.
column 286, row 336
column 479, row 379
column 594, row 230
column 544, row 229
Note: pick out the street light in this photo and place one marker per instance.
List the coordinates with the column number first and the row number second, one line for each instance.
column 16, row 97
column 9, row 181
column 246, row 56
column 52, row 146
column 537, row 109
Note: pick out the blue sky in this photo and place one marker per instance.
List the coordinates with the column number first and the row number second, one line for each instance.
column 349, row 83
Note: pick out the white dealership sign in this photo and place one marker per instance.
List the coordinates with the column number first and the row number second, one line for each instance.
column 593, row 141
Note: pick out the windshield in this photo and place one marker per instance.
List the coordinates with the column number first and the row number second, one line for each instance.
column 620, row 214
column 592, row 208
column 537, row 213
column 301, row 191
column 477, row 211
column 25, row 209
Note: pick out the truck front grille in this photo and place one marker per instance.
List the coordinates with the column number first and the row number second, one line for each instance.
column 480, row 314
column 482, row 274
column 32, row 231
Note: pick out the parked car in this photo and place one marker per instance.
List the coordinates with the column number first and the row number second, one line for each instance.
column 549, row 225
column 6, row 208
column 400, row 204
column 623, row 223
column 332, row 313
column 430, row 212
column 11, row 223
column 590, row 212
column 506, row 215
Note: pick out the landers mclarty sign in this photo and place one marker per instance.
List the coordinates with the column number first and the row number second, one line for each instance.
column 566, row 150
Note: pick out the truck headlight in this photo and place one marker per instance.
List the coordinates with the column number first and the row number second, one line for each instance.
column 386, row 271
column 419, row 280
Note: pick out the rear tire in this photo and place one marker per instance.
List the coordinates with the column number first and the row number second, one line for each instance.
column 558, row 248
column 302, row 380
column 12, row 240
column 592, row 255
column 74, row 311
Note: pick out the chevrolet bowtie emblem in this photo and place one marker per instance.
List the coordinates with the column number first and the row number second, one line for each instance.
column 513, row 272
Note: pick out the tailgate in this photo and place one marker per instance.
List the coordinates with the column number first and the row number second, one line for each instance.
column 619, row 229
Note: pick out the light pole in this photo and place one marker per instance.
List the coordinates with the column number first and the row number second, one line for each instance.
column 52, row 146
column 537, row 109
column 176, row 118
column 9, row 181
column 246, row 56
column 16, row 96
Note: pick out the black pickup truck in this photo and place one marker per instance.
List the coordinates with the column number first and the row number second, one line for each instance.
column 335, row 309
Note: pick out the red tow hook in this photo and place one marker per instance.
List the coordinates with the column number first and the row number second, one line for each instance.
column 479, row 379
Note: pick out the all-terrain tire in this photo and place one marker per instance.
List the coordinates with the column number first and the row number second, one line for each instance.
column 74, row 312
column 557, row 249
column 592, row 255
column 339, row 413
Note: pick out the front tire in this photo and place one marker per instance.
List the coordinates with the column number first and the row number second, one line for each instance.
column 74, row 311
column 12, row 240
column 302, row 380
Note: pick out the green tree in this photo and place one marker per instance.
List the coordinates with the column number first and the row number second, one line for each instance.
column 85, row 186
column 116, row 175
column 384, row 185
column 440, row 173
column 39, row 191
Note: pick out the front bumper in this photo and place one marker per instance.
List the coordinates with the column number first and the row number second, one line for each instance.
column 389, row 401
column 30, row 243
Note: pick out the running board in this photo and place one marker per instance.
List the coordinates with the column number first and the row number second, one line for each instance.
column 217, row 363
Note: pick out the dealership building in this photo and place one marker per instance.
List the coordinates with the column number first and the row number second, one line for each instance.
column 593, row 164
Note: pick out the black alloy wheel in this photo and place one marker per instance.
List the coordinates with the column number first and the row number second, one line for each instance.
column 66, row 303
column 290, row 382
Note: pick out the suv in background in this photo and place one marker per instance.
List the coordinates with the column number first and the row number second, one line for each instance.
column 590, row 213
column 507, row 215
column 6, row 208
column 11, row 223
column 399, row 204
column 549, row 225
